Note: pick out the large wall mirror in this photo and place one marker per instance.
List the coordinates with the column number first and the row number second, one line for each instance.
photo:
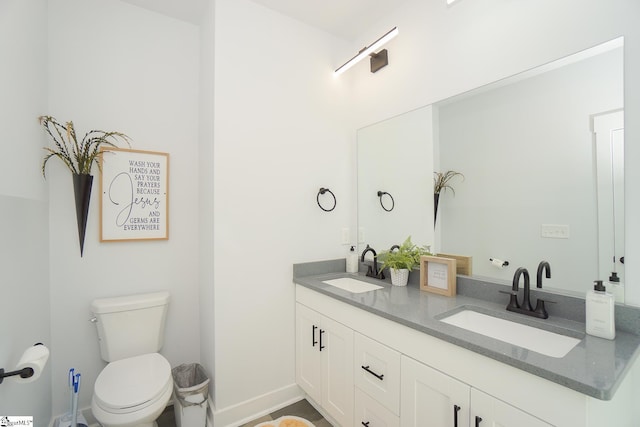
column 542, row 155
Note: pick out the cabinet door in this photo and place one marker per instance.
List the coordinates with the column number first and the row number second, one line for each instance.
column 487, row 411
column 377, row 371
column 337, row 370
column 371, row 413
column 430, row 398
column 308, row 356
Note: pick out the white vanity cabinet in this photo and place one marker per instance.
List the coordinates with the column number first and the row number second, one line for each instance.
column 431, row 398
column 487, row 411
column 377, row 371
column 371, row 413
column 324, row 362
column 436, row 377
column 377, row 381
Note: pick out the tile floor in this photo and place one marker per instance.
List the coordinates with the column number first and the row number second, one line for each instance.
column 167, row 418
column 301, row 408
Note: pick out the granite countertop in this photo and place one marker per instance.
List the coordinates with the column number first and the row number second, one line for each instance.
column 594, row 367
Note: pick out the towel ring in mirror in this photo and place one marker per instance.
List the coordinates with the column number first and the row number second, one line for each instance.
column 321, row 192
column 393, row 203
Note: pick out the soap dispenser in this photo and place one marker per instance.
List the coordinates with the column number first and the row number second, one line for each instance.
column 600, row 312
column 352, row 260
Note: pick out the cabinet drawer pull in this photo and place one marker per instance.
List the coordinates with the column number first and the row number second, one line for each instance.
column 478, row 421
column 456, row 408
column 380, row 376
column 365, row 424
column 313, row 335
column 321, row 334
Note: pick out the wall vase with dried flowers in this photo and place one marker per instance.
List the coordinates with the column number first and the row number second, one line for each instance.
column 79, row 157
column 440, row 184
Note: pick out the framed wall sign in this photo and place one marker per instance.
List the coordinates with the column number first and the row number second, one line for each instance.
column 438, row 275
column 134, row 195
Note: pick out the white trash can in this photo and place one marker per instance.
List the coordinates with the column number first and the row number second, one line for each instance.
column 190, row 390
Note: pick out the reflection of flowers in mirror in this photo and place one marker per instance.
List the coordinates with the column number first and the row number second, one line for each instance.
column 441, row 181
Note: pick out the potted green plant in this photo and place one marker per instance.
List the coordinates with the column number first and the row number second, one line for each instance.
column 79, row 157
column 401, row 260
column 440, row 184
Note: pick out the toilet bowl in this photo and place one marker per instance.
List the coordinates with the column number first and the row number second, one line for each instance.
column 136, row 385
column 132, row 391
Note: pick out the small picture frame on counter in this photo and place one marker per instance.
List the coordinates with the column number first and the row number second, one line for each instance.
column 464, row 263
column 438, row 275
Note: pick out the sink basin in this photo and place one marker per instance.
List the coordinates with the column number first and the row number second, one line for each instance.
column 539, row 340
column 352, row 285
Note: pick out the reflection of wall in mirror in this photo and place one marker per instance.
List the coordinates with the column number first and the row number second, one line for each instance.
column 608, row 131
column 527, row 156
column 396, row 156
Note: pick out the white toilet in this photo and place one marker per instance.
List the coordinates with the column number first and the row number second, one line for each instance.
column 136, row 385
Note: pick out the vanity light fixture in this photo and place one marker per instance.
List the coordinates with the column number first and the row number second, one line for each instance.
column 378, row 60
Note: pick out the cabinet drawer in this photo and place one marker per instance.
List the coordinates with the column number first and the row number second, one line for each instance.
column 371, row 413
column 377, row 371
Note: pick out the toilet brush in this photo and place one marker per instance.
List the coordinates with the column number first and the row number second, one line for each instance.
column 74, row 400
column 72, row 418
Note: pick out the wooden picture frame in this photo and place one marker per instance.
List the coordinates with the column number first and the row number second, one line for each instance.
column 438, row 275
column 464, row 264
column 134, row 195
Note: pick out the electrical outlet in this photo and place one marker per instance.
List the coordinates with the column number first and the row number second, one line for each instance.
column 554, row 231
column 346, row 236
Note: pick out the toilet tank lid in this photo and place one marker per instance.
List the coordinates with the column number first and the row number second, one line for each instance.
column 129, row 302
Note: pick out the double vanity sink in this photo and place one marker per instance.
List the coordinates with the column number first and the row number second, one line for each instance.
column 488, row 323
column 545, row 342
column 556, row 349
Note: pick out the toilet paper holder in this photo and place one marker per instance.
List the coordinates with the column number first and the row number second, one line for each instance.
column 24, row 372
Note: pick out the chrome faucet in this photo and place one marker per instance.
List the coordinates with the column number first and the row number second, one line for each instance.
column 372, row 272
column 525, row 308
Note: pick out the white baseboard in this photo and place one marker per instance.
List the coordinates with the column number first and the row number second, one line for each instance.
column 242, row 413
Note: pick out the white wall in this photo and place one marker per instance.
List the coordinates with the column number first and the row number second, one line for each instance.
column 281, row 132
column 24, row 275
column 442, row 51
column 205, row 171
column 396, row 156
column 114, row 66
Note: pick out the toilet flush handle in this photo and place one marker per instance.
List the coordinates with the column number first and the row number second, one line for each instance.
column 93, row 320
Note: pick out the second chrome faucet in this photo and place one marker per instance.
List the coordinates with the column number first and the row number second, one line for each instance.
column 525, row 308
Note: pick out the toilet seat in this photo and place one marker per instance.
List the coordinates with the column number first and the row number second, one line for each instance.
column 131, row 384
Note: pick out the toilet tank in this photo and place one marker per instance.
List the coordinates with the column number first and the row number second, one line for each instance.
column 130, row 325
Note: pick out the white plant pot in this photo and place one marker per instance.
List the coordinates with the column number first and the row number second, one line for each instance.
column 399, row 277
